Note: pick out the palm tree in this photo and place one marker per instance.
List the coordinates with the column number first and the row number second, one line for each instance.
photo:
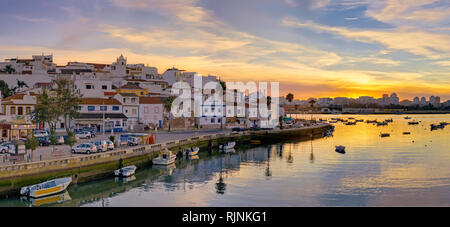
column 168, row 107
column 290, row 97
column 9, row 69
column 312, row 102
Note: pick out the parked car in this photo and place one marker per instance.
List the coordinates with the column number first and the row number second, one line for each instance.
column 91, row 130
column 110, row 145
column 101, row 145
column 43, row 141
column 86, row 148
column 132, row 141
column 5, row 147
column 237, row 129
column 83, row 135
column 40, row 133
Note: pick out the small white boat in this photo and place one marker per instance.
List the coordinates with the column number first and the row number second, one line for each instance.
column 47, row 188
column 191, row 151
column 226, row 146
column 340, row 149
column 165, row 158
column 125, row 171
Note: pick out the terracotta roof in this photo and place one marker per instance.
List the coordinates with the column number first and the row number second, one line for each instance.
column 131, row 86
column 98, row 66
column 16, row 96
column 99, row 101
column 107, row 93
column 149, row 100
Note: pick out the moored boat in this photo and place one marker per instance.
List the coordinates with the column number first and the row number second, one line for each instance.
column 125, row 171
column 191, row 151
column 406, row 133
column 226, row 146
column 413, row 123
column 165, row 158
column 385, row 135
column 47, row 188
column 340, row 149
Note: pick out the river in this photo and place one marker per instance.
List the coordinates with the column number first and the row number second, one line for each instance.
column 400, row 170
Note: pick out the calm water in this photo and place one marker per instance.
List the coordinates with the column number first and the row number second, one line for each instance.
column 401, row 170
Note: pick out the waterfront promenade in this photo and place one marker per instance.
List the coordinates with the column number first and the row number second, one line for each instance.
column 64, row 151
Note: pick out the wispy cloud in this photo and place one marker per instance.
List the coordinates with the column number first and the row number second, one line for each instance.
column 431, row 45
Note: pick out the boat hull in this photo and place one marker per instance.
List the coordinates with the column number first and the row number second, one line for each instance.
column 35, row 192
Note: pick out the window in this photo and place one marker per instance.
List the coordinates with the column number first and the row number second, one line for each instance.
column 133, row 100
column 28, row 110
column 116, row 108
column 13, row 110
column 20, row 110
column 62, row 124
column 126, row 111
column 213, row 120
column 117, row 123
column 103, row 108
column 91, row 108
column 90, row 86
column 124, row 100
column 146, row 109
column 104, row 87
column 134, row 111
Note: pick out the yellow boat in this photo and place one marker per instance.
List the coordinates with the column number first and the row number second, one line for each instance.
column 47, row 188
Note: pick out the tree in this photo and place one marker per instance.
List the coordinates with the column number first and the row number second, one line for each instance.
column 311, row 103
column 9, row 69
column 4, row 88
column 71, row 140
column 168, row 107
column 223, row 84
column 68, row 99
column 290, row 97
column 47, row 110
column 20, row 84
column 32, row 144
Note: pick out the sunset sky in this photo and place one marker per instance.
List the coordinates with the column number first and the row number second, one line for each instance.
column 314, row 48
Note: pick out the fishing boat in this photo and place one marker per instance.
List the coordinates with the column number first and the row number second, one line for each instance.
column 382, row 123
column 406, row 133
column 389, row 120
column 408, row 118
column 226, row 146
column 340, row 149
column 371, row 121
column 191, row 151
column 47, row 188
column 350, row 123
column 125, row 171
column 385, row 135
column 165, row 158
column 359, row 120
column 413, row 123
